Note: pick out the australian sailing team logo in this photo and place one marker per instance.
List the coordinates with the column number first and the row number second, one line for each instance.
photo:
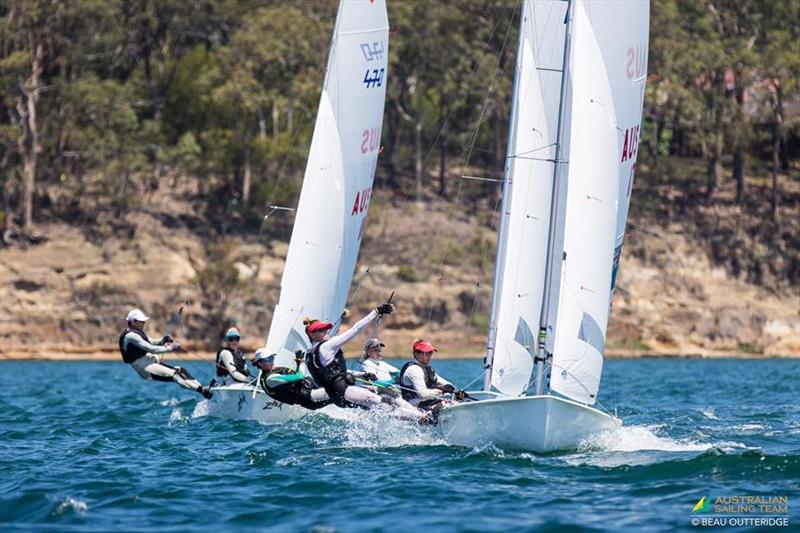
column 741, row 511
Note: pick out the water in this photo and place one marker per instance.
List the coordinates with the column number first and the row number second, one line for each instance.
column 91, row 447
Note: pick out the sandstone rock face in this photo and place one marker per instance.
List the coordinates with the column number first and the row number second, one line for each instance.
column 70, row 294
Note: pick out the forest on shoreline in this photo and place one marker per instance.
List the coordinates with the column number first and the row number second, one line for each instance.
column 109, row 106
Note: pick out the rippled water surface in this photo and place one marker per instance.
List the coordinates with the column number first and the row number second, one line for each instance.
column 91, row 447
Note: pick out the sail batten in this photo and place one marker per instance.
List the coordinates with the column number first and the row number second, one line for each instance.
column 337, row 185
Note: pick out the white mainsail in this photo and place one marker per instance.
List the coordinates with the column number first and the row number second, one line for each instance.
column 606, row 100
column 333, row 204
column 522, row 243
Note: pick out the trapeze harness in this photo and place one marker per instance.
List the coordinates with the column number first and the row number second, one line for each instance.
column 132, row 353
column 298, row 392
column 333, row 377
column 238, row 361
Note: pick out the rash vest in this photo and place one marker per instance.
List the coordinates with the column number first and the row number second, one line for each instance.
column 430, row 379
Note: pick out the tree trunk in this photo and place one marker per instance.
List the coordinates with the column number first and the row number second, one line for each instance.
column 276, row 115
column 776, row 145
column 247, row 178
column 442, row 150
column 262, row 123
column 290, row 115
column 418, row 155
column 29, row 143
column 714, row 171
column 739, row 131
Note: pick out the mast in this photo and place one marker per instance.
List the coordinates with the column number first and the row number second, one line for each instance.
column 502, row 229
column 541, row 349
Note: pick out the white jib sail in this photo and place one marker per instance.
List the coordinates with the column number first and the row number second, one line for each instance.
column 522, row 244
column 592, row 210
column 337, row 186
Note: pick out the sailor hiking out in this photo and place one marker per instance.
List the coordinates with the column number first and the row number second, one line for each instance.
column 144, row 355
column 231, row 363
column 420, row 385
column 326, row 363
column 287, row 385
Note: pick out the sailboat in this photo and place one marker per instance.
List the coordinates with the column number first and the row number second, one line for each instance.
column 334, row 200
column 573, row 137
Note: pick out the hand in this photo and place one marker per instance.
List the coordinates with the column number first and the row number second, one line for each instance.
column 448, row 388
column 369, row 376
column 460, row 395
column 299, row 356
column 174, row 346
column 385, row 309
column 166, row 339
column 350, row 379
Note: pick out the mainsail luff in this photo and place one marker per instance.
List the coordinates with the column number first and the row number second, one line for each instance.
column 338, row 180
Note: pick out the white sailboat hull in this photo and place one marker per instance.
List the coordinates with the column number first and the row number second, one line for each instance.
column 236, row 402
column 528, row 423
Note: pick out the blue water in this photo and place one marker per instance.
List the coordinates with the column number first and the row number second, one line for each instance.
column 91, row 447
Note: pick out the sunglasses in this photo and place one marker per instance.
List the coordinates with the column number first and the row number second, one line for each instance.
column 425, row 353
column 231, row 339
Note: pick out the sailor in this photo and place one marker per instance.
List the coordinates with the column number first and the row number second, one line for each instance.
column 144, row 355
column 420, row 385
column 287, row 385
column 372, row 361
column 231, row 363
column 326, row 363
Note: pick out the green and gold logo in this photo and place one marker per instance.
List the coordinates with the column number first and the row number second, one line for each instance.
column 703, row 506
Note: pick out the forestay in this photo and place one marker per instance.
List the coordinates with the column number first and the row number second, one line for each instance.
column 338, row 180
column 607, row 72
column 523, row 238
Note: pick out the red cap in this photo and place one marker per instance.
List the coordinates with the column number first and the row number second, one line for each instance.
column 424, row 346
column 318, row 325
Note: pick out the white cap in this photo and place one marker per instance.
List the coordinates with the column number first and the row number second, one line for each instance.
column 232, row 332
column 263, row 353
column 137, row 314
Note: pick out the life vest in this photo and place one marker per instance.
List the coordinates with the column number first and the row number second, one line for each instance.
column 332, row 377
column 238, row 361
column 131, row 352
column 430, row 379
column 288, row 393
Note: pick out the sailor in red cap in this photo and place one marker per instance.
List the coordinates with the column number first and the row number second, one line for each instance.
column 326, row 363
column 420, row 385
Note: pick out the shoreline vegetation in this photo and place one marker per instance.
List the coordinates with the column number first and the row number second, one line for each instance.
column 141, row 150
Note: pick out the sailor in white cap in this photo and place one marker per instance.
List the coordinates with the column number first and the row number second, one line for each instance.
column 231, row 363
column 144, row 355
